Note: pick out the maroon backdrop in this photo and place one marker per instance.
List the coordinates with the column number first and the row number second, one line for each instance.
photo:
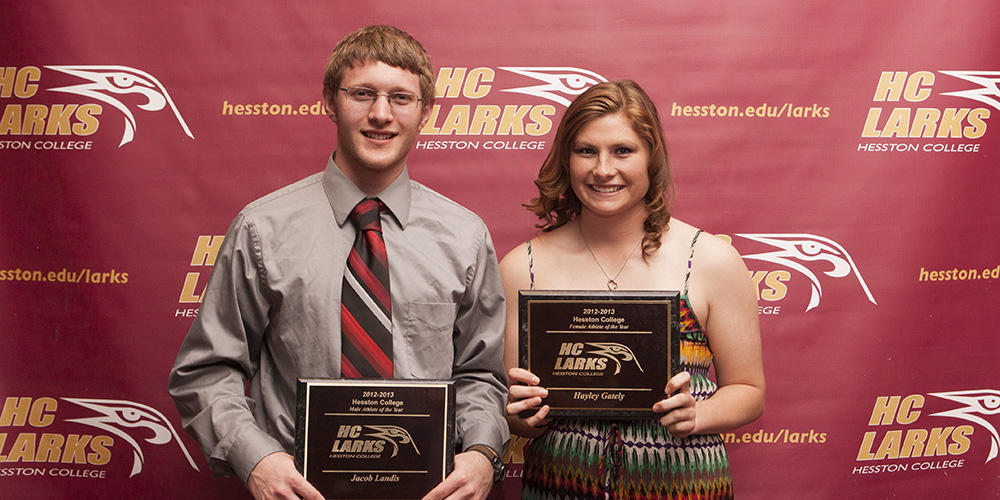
column 845, row 149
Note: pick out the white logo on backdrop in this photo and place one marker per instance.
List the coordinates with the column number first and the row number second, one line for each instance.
column 797, row 250
column 989, row 82
column 128, row 418
column 559, row 82
column 978, row 403
column 103, row 82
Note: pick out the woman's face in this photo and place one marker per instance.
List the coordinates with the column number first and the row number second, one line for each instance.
column 608, row 165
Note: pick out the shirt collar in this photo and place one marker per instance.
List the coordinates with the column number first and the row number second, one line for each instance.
column 343, row 195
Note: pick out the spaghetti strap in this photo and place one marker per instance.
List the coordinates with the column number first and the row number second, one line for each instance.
column 531, row 266
column 687, row 277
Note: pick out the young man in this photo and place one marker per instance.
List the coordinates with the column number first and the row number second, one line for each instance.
column 272, row 311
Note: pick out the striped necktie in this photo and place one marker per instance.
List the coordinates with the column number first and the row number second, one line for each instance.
column 365, row 307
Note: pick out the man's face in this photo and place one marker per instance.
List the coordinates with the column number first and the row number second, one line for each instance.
column 374, row 138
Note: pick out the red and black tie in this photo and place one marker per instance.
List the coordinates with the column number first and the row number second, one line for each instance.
column 365, row 308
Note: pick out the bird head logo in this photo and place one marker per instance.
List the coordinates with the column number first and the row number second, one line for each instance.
column 615, row 352
column 132, row 422
column 800, row 251
column 559, row 85
column 978, row 406
column 107, row 83
column 394, row 435
column 988, row 91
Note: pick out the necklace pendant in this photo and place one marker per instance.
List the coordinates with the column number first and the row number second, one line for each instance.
column 612, row 285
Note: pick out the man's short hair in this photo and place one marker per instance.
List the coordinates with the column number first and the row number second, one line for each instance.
column 387, row 44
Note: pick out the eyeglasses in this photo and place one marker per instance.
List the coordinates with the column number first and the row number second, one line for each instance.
column 398, row 100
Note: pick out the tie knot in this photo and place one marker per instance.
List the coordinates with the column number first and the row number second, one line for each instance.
column 365, row 215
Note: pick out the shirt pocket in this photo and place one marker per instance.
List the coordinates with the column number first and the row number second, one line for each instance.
column 429, row 344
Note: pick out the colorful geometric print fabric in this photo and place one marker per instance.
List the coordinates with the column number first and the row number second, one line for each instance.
column 633, row 459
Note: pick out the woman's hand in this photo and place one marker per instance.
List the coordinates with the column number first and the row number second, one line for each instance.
column 524, row 393
column 680, row 415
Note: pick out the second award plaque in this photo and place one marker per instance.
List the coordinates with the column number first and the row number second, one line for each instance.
column 367, row 439
column 605, row 354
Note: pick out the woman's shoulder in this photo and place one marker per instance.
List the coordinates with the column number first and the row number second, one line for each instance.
column 679, row 232
column 534, row 253
column 542, row 242
column 519, row 259
column 708, row 248
column 516, row 256
column 714, row 261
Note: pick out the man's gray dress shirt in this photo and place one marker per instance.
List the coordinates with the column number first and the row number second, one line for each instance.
column 271, row 314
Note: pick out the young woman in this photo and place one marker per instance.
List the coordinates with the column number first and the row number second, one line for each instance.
column 603, row 203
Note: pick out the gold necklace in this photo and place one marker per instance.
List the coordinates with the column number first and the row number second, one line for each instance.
column 612, row 281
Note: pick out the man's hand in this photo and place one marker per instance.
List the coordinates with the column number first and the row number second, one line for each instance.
column 472, row 479
column 276, row 478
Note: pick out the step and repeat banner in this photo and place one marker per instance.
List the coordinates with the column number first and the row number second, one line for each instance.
column 848, row 151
